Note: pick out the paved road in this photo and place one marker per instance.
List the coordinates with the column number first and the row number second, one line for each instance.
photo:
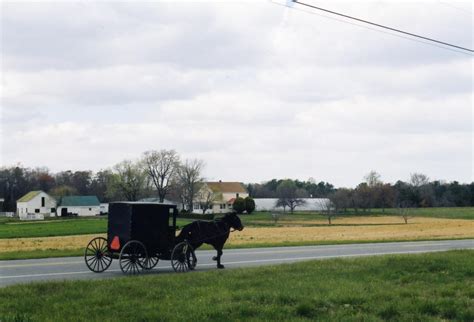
column 23, row 271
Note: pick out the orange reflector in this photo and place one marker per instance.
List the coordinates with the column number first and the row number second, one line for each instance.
column 115, row 244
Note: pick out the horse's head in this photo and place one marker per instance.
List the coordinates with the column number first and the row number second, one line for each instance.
column 233, row 221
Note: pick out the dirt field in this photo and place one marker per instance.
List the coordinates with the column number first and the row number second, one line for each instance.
column 344, row 229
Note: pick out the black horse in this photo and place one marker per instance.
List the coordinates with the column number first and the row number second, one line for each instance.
column 214, row 233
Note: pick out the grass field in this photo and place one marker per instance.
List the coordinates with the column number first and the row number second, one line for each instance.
column 57, row 227
column 312, row 232
column 427, row 287
column 80, row 226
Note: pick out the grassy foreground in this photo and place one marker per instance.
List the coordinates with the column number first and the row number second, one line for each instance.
column 427, row 287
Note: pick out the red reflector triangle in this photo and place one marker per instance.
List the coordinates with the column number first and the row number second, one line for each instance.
column 115, row 244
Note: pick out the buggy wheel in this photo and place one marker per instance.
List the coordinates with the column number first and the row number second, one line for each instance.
column 97, row 256
column 151, row 262
column 133, row 257
column 183, row 258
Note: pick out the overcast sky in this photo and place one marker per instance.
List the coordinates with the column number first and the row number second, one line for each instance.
column 255, row 89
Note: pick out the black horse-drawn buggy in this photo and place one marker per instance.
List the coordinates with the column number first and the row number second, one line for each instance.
column 140, row 234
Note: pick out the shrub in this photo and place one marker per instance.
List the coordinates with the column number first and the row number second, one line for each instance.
column 249, row 205
column 239, row 205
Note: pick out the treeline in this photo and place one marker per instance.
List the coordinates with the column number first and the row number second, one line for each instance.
column 159, row 174
column 162, row 174
column 418, row 191
column 304, row 189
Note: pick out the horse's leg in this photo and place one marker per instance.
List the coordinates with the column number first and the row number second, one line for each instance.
column 219, row 254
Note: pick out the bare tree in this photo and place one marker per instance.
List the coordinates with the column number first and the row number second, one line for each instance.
column 373, row 178
column 419, row 179
column 207, row 198
column 189, row 179
column 385, row 196
column 341, row 199
column 161, row 167
column 327, row 208
column 128, row 180
column 289, row 195
column 363, row 196
column 404, row 210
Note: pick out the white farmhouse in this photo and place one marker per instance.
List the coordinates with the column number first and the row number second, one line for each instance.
column 36, row 205
column 79, row 206
column 220, row 194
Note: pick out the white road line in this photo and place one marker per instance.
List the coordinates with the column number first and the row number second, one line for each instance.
column 49, row 274
column 239, row 262
column 40, row 264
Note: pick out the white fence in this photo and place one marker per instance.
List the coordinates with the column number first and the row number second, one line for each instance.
column 33, row 217
column 311, row 204
column 7, row 214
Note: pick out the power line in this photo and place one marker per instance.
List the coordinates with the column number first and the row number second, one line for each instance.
column 383, row 26
column 373, row 29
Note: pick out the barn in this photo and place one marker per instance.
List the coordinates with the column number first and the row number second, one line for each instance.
column 79, row 206
column 36, row 205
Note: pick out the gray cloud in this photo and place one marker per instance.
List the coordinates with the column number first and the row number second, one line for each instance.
column 256, row 90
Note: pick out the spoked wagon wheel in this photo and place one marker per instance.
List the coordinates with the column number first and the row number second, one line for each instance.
column 133, row 257
column 97, row 255
column 151, row 262
column 183, row 257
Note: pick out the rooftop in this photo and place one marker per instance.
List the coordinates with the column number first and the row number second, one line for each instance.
column 226, row 187
column 78, row 201
column 30, row 195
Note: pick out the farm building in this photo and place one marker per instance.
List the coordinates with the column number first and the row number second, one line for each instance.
column 311, row 204
column 36, row 205
column 79, row 206
column 220, row 195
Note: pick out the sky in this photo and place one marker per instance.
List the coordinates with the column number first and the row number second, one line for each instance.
column 256, row 89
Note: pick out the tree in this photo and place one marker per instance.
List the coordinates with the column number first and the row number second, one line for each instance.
column 100, row 183
column 327, row 209
column 372, row 178
column 289, row 195
column 249, row 205
column 207, row 198
column 61, row 191
column 363, row 196
column 385, row 196
column 44, row 180
column 404, row 210
column 239, row 205
column 188, row 177
column 81, row 180
column 341, row 199
column 161, row 167
column 15, row 181
column 128, row 180
column 419, row 179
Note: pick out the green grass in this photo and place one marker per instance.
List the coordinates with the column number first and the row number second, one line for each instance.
column 427, row 287
column 58, row 227
column 53, row 228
